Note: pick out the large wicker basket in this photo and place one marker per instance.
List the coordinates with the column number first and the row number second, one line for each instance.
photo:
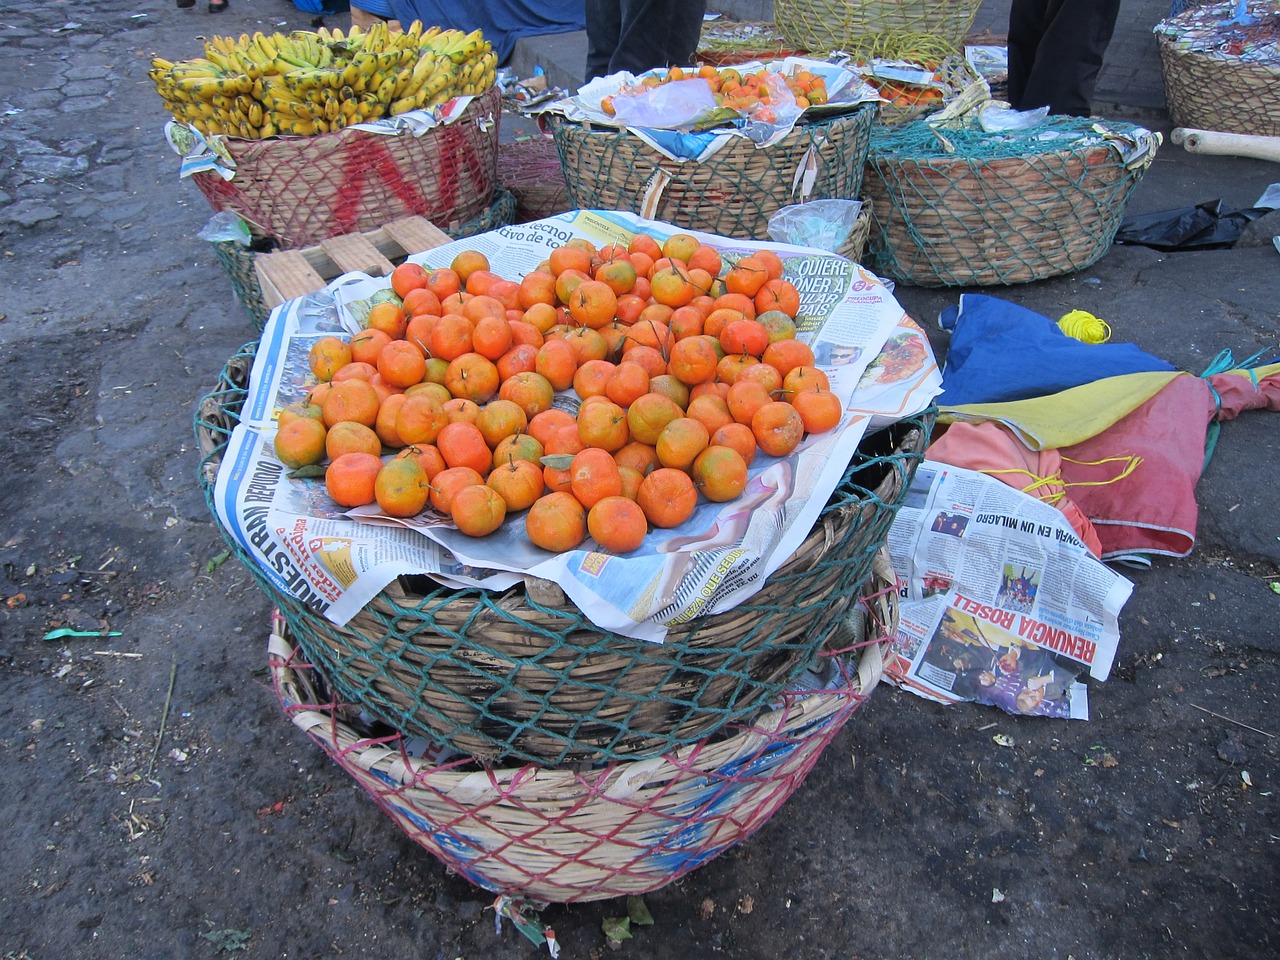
column 508, row 675
column 630, row 827
column 1208, row 84
column 950, row 219
column 301, row 190
column 878, row 28
column 732, row 193
column 530, row 169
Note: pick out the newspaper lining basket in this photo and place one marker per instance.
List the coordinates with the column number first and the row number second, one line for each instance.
column 301, row 190
column 1210, row 86
column 732, row 193
column 893, row 29
column 628, row 827
column 523, row 674
column 951, row 219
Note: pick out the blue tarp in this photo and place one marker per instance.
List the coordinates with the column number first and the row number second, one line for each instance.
column 1000, row 352
column 503, row 21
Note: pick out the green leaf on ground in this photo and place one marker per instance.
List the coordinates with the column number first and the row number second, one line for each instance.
column 227, row 940
column 616, row 929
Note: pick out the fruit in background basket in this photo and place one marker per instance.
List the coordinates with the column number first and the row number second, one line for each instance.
column 300, row 443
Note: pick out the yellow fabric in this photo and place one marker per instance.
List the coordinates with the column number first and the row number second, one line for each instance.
column 1070, row 417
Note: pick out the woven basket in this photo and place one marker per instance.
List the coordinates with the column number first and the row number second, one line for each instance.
column 530, row 169
column 732, row 193
column 856, row 246
column 301, row 190
column 724, row 43
column 238, row 260
column 562, row 835
column 1215, row 89
column 893, row 29
column 497, row 675
column 955, row 73
column 944, row 220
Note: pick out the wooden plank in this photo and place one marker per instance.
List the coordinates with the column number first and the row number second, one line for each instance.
column 354, row 252
column 284, row 275
column 416, row 234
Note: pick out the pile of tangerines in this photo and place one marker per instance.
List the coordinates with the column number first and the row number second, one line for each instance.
column 752, row 94
column 685, row 366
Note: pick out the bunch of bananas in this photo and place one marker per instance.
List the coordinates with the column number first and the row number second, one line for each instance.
column 305, row 83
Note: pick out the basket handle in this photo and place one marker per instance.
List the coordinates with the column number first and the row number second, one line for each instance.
column 651, row 196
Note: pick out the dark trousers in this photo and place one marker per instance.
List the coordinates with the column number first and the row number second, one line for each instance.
column 637, row 35
column 1055, row 52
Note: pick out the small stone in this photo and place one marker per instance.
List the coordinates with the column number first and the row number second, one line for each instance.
column 27, row 213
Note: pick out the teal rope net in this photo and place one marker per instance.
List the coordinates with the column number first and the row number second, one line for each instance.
column 1002, row 208
column 505, row 676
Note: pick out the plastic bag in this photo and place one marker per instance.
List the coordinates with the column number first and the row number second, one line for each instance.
column 226, row 226
column 669, row 105
column 997, row 119
column 825, row 224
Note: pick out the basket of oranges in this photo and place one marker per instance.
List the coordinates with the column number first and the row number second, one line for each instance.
column 523, row 672
column 734, row 190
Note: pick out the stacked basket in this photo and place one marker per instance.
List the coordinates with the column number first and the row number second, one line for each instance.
column 892, row 29
column 957, row 207
column 1220, row 74
column 572, row 763
column 733, row 192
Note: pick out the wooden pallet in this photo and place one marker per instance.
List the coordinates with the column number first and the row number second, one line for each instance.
column 293, row 273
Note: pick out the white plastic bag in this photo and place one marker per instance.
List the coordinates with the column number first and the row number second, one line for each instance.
column 677, row 103
column 825, row 224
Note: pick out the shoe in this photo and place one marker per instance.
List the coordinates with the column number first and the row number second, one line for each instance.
column 218, row 7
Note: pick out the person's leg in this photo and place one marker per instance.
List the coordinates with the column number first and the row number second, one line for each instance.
column 1027, row 20
column 604, row 27
column 657, row 33
column 1070, row 55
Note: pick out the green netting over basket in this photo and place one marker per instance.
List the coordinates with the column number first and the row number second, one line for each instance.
column 1219, row 77
column 524, row 674
column 1009, row 209
column 581, row 833
column 732, row 193
column 892, row 29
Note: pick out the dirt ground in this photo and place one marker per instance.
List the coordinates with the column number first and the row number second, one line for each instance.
column 156, row 803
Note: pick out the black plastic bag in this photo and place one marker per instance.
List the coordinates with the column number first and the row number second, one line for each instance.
column 1205, row 226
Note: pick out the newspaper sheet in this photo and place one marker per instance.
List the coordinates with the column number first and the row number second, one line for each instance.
column 878, row 361
column 1001, row 601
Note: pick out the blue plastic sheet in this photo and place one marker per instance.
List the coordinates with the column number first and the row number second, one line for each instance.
column 1000, row 351
column 503, row 21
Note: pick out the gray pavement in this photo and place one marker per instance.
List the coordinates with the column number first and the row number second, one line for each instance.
column 1130, row 77
column 155, row 799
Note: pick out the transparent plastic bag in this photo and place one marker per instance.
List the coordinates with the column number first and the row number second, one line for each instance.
column 226, row 226
column 825, row 224
column 670, row 105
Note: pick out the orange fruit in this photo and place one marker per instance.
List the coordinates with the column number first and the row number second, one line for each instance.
column 462, row 445
column 402, row 363
column 709, row 409
column 420, row 420
column 499, row 419
column 649, row 414
column 519, row 359
column 492, row 337
column 778, row 428
column 556, row 522
column 778, row 324
column 448, row 482
column 300, row 443
column 388, row 318
column 530, row 390
column 680, row 442
column 385, row 425
column 592, row 377
column 593, row 304
column 745, row 398
column 350, row 478
column 626, row 383
column 350, row 400
column 671, row 287
column 518, row 446
column 408, row 277
column 428, row 458
column 668, row 497
column 461, row 410
column 350, row 437
column 680, row 246
column 401, row 488
column 617, row 524
column 786, row 355
column 780, row 295
column 538, row 286
column 467, row 262
column 567, row 257
column 820, row 409
column 543, row 425
column 473, row 377
column 802, row 378
column 518, row 482
column 745, row 337
column 557, row 362
column 443, row 282
column 603, row 424
column 719, row 474
column 451, row 336
column 421, row 303
column 746, row 276
column 737, row 436
column 327, row 356
column 593, row 475
column 693, row 360
column 672, row 387
column 367, row 344
column 355, row 371
column 477, row 510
